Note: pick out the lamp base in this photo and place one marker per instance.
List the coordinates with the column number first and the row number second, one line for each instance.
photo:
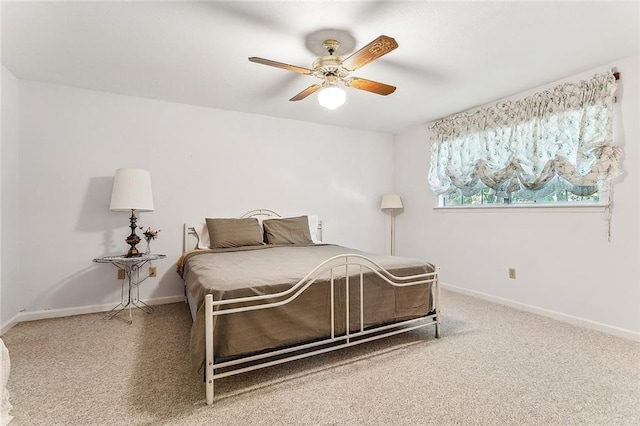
column 133, row 253
column 133, row 239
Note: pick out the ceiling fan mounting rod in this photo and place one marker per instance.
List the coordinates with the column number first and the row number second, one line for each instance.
column 331, row 46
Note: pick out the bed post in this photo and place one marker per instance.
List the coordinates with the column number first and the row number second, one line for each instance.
column 437, row 301
column 185, row 238
column 208, row 329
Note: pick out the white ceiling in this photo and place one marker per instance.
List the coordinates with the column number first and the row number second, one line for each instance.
column 451, row 55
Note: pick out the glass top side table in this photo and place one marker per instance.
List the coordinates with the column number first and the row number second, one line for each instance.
column 131, row 268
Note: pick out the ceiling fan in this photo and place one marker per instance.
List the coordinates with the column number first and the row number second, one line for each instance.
column 332, row 69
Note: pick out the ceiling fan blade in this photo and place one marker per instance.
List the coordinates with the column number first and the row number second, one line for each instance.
column 372, row 51
column 284, row 66
column 370, row 86
column 306, row 92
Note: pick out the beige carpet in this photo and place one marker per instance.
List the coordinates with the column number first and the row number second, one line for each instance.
column 493, row 366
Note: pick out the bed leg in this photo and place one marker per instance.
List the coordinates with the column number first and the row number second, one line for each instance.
column 209, row 385
column 437, row 302
column 208, row 365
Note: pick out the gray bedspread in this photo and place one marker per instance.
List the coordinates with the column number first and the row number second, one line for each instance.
column 250, row 271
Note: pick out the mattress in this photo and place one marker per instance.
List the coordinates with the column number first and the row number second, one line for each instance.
column 268, row 269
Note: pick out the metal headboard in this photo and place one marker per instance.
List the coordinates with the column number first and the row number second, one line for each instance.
column 188, row 231
column 260, row 214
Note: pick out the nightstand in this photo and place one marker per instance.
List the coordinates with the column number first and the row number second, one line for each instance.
column 131, row 267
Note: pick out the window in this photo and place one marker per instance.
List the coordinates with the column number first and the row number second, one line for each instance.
column 552, row 147
column 551, row 194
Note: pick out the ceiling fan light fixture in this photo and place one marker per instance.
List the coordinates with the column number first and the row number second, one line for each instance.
column 332, row 97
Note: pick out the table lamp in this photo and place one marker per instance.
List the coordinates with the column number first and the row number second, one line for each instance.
column 132, row 192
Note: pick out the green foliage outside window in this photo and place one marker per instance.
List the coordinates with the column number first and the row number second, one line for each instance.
column 487, row 196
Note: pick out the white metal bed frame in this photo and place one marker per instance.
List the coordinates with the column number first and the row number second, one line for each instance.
column 335, row 266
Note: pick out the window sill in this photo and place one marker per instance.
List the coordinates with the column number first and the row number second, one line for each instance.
column 561, row 208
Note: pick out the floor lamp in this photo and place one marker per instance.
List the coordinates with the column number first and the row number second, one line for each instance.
column 392, row 202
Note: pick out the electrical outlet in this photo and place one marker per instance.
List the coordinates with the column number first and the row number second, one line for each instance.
column 152, row 271
column 512, row 273
column 120, row 274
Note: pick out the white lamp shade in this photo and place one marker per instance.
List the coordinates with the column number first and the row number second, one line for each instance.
column 131, row 191
column 331, row 97
column 391, row 201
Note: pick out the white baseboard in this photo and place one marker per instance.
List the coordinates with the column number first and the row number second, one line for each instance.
column 593, row 325
column 80, row 310
column 9, row 324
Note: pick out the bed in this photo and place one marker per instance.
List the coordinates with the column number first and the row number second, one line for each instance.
column 277, row 293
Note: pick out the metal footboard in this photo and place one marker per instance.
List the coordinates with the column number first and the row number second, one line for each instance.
column 351, row 268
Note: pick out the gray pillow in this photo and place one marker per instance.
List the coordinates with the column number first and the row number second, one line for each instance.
column 228, row 232
column 290, row 230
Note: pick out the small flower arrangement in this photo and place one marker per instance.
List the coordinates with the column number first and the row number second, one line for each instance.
column 150, row 234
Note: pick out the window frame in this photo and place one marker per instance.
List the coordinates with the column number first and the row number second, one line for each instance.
column 600, row 205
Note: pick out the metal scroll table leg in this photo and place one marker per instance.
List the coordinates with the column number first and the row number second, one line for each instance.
column 122, row 305
column 131, row 301
column 137, row 302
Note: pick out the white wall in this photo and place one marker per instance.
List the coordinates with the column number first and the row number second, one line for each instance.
column 563, row 260
column 10, row 219
column 203, row 162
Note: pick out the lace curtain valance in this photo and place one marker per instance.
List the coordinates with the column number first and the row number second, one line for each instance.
column 559, row 136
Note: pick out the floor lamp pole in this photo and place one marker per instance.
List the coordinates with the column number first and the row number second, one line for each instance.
column 393, row 234
column 392, row 202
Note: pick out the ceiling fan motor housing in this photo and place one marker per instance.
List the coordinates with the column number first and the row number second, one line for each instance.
column 330, row 65
column 327, row 66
